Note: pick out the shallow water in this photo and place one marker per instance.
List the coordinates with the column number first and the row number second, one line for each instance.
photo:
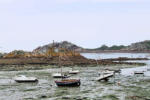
column 124, row 86
column 115, row 55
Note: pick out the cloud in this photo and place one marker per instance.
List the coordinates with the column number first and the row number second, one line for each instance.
column 6, row 1
column 72, row 1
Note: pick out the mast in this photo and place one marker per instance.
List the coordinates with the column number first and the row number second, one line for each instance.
column 53, row 44
column 60, row 66
column 53, row 48
column 72, row 61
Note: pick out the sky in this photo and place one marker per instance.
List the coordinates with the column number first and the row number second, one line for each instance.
column 27, row 24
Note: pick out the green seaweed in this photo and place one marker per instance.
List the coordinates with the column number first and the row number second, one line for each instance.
column 110, row 97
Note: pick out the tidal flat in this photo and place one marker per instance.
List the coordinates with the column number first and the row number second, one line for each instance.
column 123, row 86
column 129, row 88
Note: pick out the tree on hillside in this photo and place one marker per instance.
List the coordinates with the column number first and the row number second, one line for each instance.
column 115, row 47
column 103, row 47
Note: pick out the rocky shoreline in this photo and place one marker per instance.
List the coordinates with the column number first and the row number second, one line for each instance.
column 70, row 61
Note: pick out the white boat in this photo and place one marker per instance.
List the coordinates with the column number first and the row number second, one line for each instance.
column 104, row 77
column 74, row 71
column 106, row 72
column 59, row 75
column 23, row 78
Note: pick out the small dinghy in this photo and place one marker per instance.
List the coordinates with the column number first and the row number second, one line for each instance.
column 68, row 82
column 59, row 75
column 74, row 71
column 23, row 78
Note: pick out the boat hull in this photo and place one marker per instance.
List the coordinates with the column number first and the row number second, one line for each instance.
column 68, row 83
column 61, row 76
column 26, row 81
column 139, row 72
column 74, row 72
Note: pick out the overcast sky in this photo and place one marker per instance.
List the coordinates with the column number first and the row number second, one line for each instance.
column 27, row 24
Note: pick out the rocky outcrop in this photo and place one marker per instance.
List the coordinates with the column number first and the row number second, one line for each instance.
column 67, row 61
column 64, row 44
column 139, row 46
column 143, row 46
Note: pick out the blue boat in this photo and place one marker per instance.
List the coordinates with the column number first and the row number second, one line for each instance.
column 68, row 82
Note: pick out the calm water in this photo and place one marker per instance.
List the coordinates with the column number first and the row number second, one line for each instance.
column 115, row 55
column 124, row 86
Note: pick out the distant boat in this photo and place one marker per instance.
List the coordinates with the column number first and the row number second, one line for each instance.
column 139, row 72
column 106, row 72
column 115, row 70
column 74, row 71
column 23, row 78
column 68, row 82
column 105, row 75
column 59, row 75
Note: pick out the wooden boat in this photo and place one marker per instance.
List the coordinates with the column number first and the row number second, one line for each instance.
column 23, row 78
column 74, row 71
column 59, row 75
column 68, row 82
